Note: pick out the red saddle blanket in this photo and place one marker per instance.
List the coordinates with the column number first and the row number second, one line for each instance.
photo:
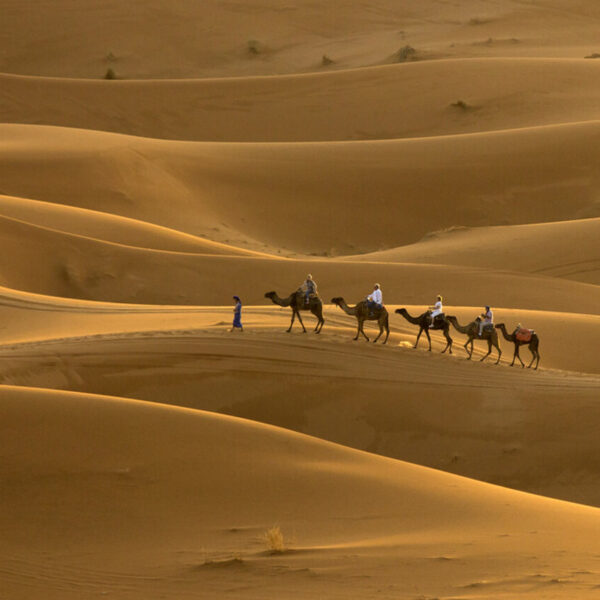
column 524, row 335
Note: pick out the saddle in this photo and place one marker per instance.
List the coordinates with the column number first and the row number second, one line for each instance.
column 524, row 335
column 439, row 319
column 302, row 296
column 487, row 327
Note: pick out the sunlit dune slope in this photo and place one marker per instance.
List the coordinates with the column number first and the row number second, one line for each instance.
column 214, row 38
column 392, row 101
column 94, row 225
column 567, row 249
column 312, row 197
column 138, row 497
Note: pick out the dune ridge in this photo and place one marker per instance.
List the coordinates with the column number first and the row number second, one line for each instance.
column 498, row 93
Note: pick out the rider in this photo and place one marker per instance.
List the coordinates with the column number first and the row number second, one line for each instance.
column 375, row 299
column 309, row 287
column 436, row 309
column 487, row 318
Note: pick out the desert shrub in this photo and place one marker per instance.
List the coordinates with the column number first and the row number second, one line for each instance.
column 461, row 104
column 326, row 61
column 406, row 53
column 593, row 55
column 253, row 47
column 110, row 74
column 273, row 538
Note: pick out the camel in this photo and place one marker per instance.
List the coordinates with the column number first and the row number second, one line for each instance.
column 472, row 329
column 362, row 313
column 424, row 323
column 296, row 301
column 533, row 345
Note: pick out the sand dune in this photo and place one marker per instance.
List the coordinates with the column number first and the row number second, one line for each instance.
column 215, row 38
column 107, row 227
column 394, row 101
column 187, row 513
column 483, row 421
column 522, row 248
column 433, row 147
column 76, row 266
column 377, row 194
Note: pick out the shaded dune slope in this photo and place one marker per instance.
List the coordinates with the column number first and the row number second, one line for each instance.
column 524, row 248
column 180, row 478
column 76, row 266
column 394, row 101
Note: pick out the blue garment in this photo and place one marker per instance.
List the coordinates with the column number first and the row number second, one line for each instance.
column 237, row 315
column 310, row 289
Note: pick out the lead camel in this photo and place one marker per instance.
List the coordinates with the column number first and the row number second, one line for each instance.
column 296, row 302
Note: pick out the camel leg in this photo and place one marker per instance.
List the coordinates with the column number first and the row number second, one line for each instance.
column 467, row 350
column 292, row 323
column 448, row 342
column 535, row 354
column 499, row 352
column 517, row 355
column 320, row 321
column 301, row 323
column 418, row 336
column 387, row 330
column 360, row 327
column 380, row 332
column 489, row 350
column 428, row 338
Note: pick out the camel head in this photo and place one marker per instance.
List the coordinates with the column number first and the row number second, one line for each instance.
column 270, row 295
column 337, row 300
column 401, row 311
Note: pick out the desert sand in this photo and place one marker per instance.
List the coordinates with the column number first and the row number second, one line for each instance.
column 433, row 147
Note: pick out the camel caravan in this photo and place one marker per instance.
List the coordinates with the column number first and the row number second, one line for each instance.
column 306, row 298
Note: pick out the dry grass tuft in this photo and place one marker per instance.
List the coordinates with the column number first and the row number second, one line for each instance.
column 406, row 53
column 253, row 47
column 461, row 104
column 273, row 538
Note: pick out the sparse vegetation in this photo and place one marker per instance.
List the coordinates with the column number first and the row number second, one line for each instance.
column 253, row 47
column 593, row 55
column 273, row 538
column 461, row 104
column 110, row 57
column 406, row 53
column 110, row 74
column 478, row 21
column 326, row 61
